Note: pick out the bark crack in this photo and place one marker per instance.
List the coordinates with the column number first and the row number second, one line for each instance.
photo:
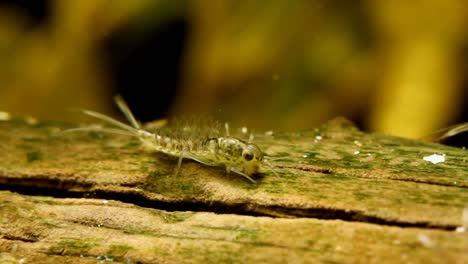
column 18, row 238
column 247, row 208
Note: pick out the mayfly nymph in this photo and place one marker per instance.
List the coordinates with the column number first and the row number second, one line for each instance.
column 191, row 142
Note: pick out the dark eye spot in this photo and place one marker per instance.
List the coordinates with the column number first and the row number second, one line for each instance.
column 248, row 156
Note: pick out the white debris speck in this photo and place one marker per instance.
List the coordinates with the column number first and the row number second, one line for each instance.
column 21, row 261
column 4, row 116
column 105, row 202
column 106, row 258
column 269, row 133
column 244, row 130
column 460, row 229
column 425, row 240
column 435, row 158
column 356, row 152
column 305, row 156
column 357, row 143
column 318, row 138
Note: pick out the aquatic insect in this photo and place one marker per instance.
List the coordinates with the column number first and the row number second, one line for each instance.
column 190, row 141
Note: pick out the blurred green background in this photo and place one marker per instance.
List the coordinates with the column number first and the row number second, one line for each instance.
column 392, row 66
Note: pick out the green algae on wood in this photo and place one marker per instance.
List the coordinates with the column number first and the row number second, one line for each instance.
column 336, row 167
column 335, row 172
column 77, row 230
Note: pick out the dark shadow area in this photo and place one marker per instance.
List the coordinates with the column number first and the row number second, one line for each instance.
column 145, row 68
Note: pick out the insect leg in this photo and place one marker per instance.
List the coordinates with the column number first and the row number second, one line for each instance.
column 200, row 159
column 179, row 163
column 251, row 138
column 242, row 174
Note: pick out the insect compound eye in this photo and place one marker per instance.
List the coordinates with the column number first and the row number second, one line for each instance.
column 248, row 156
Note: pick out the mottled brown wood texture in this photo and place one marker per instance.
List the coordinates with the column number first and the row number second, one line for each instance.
column 333, row 195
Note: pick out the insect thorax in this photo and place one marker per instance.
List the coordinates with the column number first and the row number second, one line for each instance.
column 235, row 153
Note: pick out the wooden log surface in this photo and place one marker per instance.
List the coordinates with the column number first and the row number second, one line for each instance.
column 334, row 195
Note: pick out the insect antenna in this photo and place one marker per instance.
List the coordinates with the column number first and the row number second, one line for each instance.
column 447, row 132
column 271, row 167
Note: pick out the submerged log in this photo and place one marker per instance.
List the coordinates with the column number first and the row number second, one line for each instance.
column 334, row 194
